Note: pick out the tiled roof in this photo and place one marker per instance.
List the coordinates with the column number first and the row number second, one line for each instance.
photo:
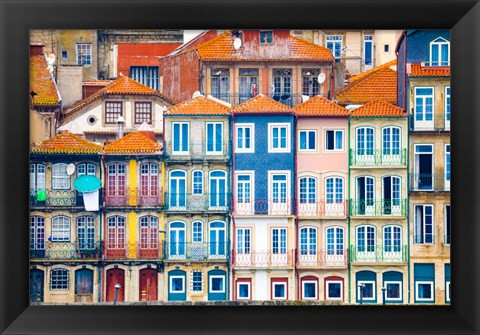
column 41, row 82
column 122, row 85
column 102, row 83
column 377, row 85
column 199, row 105
column 262, row 104
column 221, row 48
column 376, row 68
column 133, row 143
column 379, row 108
column 429, row 71
column 67, row 143
column 320, row 106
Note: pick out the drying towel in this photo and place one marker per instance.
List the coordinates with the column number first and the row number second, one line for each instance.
column 90, row 200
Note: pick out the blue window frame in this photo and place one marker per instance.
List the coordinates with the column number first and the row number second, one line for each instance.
column 447, row 283
column 177, row 285
column 215, row 138
column 180, row 137
column 309, row 289
column 447, row 165
column 334, row 190
column 335, row 239
column 279, row 240
column 217, row 238
column 424, row 224
column 197, row 183
column 424, row 278
column 334, row 44
column 197, row 281
column 266, row 37
column 368, row 50
column 308, row 140
column 308, row 241
column 308, row 190
column 424, row 103
column 447, row 107
column 177, row 239
column 217, row 189
column 440, row 52
column 177, row 188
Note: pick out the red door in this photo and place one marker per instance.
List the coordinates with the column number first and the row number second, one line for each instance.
column 114, row 277
column 148, row 284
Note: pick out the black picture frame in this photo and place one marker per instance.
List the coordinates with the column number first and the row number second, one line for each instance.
column 19, row 16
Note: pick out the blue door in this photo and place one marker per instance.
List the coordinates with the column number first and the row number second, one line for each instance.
column 177, row 285
column 217, row 239
column 36, row 285
column 217, row 285
column 177, row 189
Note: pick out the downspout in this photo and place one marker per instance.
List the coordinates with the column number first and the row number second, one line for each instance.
column 229, row 261
column 104, row 229
column 295, row 225
column 232, row 204
column 349, row 269
column 100, row 266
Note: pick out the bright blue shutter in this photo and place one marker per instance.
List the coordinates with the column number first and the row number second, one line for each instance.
column 181, row 188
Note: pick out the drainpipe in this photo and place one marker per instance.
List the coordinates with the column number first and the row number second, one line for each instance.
column 230, row 183
column 295, row 225
column 408, row 204
column 100, row 266
column 232, row 210
column 104, row 210
column 349, row 269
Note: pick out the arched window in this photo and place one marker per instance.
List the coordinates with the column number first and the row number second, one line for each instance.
column 149, row 179
column 334, row 190
column 116, row 180
column 177, row 188
column 391, row 202
column 177, row 243
column 61, row 229
column 218, row 189
column 391, row 144
column 440, row 52
column 217, row 237
column 116, row 233
column 392, row 239
column 149, row 233
column 308, row 241
column 366, row 243
column 197, row 182
column 365, row 145
column 308, row 190
column 335, row 241
column 365, row 201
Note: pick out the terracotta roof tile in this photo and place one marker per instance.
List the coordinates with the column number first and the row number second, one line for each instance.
column 429, row 71
column 122, row 85
column 320, row 106
column 262, row 104
column 377, row 85
column 41, row 82
column 378, row 108
column 376, row 68
column 102, row 83
column 133, row 143
column 220, row 48
column 67, row 143
column 199, row 105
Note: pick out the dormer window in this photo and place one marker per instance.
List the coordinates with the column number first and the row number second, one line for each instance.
column 266, row 37
column 440, row 52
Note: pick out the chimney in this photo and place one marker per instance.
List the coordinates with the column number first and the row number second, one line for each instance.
column 146, row 130
column 120, row 125
column 36, row 49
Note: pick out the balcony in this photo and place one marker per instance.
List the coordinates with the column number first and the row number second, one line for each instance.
column 376, row 254
column 152, row 251
column 429, row 182
column 60, row 198
column 434, row 122
column 67, row 250
column 311, row 258
column 264, row 207
column 215, row 202
column 265, row 259
column 289, row 99
column 135, row 197
column 378, row 158
column 395, row 207
column 179, row 251
column 323, row 208
column 197, row 151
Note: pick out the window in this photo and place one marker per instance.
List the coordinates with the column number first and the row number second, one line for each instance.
column 424, row 291
column 116, row 233
column 113, row 110
column 334, row 190
column 177, row 189
column 335, row 239
column 334, row 289
column 334, row 44
column 308, row 241
column 143, row 112
column 447, row 108
column 84, row 53
column 423, row 108
column 365, row 144
column 148, row 233
column 37, row 233
column 279, row 241
column 309, row 289
column 393, row 290
column 392, row 238
column 86, row 232
column 216, row 234
column 282, row 86
column 214, row 138
column 447, row 283
column 116, row 180
column 365, row 240
column 391, row 203
column 245, row 137
column 365, row 204
column 177, row 284
column 197, row 281
column 248, row 84
column 59, row 279
column 217, row 284
column 60, row 178
column 279, row 291
column 366, row 290
column 279, row 193
column 218, row 189
column 424, row 276
column 243, row 290
column 266, row 37
column 180, row 138
column 334, row 140
column 308, row 190
column 147, row 75
column 244, row 193
column 61, row 229
column 368, row 50
column 197, row 183
column 176, row 235
column 149, row 180
column 310, row 85
column 86, row 169
column 64, row 55
column 439, row 52
column 278, row 137
column 220, row 84
column 197, row 231
column 424, row 224
column 447, row 224
column 37, row 177
column 447, row 166
column 308, row 140
column 386, row 48
column 390, row 143
column 423, row 167
column 243, row 241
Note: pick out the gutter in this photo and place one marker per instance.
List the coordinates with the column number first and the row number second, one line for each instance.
column 349, row 270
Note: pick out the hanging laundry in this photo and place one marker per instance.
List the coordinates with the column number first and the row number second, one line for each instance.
column 90, row 200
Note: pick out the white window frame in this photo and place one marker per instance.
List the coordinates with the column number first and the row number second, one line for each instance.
column 180, row 152
column 327, row 282
column 251, row 126
column 60, row 179
column 78, row 56
column 62, row 230
column 335, row 140
column 194, row 232
column 271, row 149
column 238, row 290
column 447, row 122
column 38, row 180
column 439, row 43
column 214, row 138
column 248, row 207
column 447, row 291
column 67, row 279
column 303, row 289
column 279, row 247
column 423, row 224
column 307, row 131
column 374, row 290
column 284, row 284
column 424, row 97
column 334, row 39
column 243, row 241
column 271, row 174
column 399, row 283
column 193, row 183
column 367, row 38
column 170, row 288
column 210, row 288
column 446, row 181
column 432, row 290
column 193, row 282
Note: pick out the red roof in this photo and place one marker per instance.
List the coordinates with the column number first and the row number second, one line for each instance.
column 320, row 106
column 199, row 105
column 133, row 143
column 67, row 143
column 376, row 68
column 429, row 71
column 262, row 104
column 379, row 108
column 41, row 82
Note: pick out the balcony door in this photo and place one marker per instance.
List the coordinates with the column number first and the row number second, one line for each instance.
column 365, row 204
column 149, row 184
column 308, row 246
column 365, row 145
column 217, row 188
column 391, row 203
column 365, row 244
column 391, row 146
column 116, row 184
column 217, row 239
column 423, row 165
column 177, row 195
column 177, row 240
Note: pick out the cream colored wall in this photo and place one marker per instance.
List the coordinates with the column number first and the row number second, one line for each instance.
column 383, row 37
column 39, row 128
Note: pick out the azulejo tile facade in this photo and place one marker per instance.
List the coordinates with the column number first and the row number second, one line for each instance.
column 251, row 196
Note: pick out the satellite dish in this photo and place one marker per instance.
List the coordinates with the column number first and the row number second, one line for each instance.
column 321, row 78
column 51, row 59
column 70, row 169
column 237, row 43
column 196, row 94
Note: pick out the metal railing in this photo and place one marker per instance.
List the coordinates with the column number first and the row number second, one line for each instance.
column 67, row 250
column 197, row 202
column 135, row 197
column 322, row 208
column 435, row 64
column 396, row 207
column 197, row 151
column 136, row 250
column 429, row 182
column 395, row 253
column 324, row 257
column 196, row 250
column 264, row 258
column 283, row 206
column 378, row 157
column 438, row 122
column 289, row 99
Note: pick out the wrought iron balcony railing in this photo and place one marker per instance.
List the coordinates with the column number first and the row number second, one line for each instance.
column 289, row 99
column 279, row 206
column 66, row 250
column 196, row 251
column 378, row 157
column 372, row 253
column 197, row 202
column 429, row 182
column 59, row 198
column 141, row 197
column 264, row 259
column 197, row 151
column 134, row 250
column 322, row 258
column 432, row 122
column 322, row 208
column 395, row 207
